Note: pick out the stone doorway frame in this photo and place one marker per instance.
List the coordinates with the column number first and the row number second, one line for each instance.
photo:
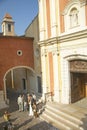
column 78, row 67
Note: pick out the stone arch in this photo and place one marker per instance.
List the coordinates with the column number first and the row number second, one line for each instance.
column 78, row 76
column 70, row 5
column 72, row 19
column 75, row 56
column 21, row 79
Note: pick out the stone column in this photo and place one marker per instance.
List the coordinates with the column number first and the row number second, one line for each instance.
column 44, row 74
column 12, row 79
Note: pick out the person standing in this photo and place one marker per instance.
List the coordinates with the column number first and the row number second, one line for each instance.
column 20, row 103
column 30, row 106
column 23, row 99
column 35, row 110
column 28, row 100
column 34, row 97
column 25, row 106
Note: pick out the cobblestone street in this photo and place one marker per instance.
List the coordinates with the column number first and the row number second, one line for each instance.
column 22, row 121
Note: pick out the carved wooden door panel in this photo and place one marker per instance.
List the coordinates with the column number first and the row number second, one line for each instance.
column 78, row 71
column 77, row 86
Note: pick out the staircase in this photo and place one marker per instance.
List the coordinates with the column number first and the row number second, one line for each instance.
column 65, row 117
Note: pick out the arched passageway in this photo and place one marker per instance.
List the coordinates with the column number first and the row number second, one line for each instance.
column 19, row 79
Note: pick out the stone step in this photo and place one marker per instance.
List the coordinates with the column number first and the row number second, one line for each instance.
column 67, row 122
column 72, row 110
column 54, row 122
column 61, row 118
column 64, row 114
column 57, row 123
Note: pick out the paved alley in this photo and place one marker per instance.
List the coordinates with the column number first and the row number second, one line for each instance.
column 21, row 120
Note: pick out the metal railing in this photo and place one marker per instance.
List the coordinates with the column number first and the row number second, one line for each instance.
column 48, row 96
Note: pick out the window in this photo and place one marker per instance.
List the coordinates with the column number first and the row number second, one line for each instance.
column 3, row 28
column 19, row 53
column 9, row 27
column 73, row 17
column 24, row 84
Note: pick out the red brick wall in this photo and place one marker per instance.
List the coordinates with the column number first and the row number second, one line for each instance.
column 8, row 54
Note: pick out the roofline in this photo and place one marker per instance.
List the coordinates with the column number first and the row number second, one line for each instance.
column 31, row 22
column 22, row 37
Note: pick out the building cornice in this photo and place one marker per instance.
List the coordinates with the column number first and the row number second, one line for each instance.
column 73, row 36
column 64, row 38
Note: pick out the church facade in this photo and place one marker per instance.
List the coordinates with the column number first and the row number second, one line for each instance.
column 63, row 43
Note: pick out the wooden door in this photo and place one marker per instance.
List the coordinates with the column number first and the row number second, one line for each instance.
column 77, row 86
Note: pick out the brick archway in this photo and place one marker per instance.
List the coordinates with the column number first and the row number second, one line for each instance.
column 15, row 51
column 19, row 79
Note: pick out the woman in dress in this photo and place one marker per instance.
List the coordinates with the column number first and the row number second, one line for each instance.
column 30, row 105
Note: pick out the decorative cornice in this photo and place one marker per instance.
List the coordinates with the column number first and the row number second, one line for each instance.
column 78, row 65
column 64, row 38
column 50, row 41
column 73, row 36
column 83, row 2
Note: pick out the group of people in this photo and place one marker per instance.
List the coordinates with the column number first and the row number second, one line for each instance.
column 28, row 103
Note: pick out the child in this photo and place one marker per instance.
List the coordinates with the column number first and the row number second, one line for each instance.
column 8, row 125
column 6, row 116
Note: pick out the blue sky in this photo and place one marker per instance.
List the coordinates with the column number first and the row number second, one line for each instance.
column 22, row 12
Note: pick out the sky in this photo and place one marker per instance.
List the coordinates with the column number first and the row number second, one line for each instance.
column 23, row 13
